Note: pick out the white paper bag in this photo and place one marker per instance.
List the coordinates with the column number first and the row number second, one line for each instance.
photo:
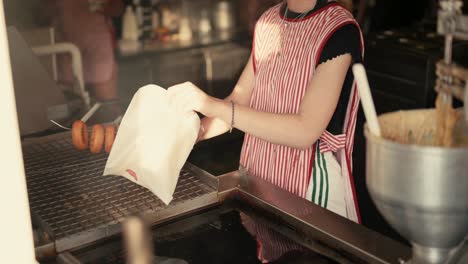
column 153, row 142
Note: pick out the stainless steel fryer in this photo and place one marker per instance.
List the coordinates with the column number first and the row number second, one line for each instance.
column 74, row 204
column 74, row 207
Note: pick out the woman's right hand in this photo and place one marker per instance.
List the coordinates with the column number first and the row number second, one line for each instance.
column 189, row 97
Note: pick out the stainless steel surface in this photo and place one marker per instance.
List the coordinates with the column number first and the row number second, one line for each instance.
column 317, row 229
column 219, row 38
column 227, row 183
column 38, row 98
column 67, row 258
column 421, row 191
column 314, row 227
column 45, row 251
column 461, row 254
column 138, row 246
column 78, row 205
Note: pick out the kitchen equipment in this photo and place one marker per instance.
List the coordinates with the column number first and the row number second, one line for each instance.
column 145, row 20
column 458, row 84
column 130, row 25
column 421, row 190
column 224, row 16
column 366, row 99
column 130, row 32
column 138, row 246
column 402, row 77
column 204, row 25
column 137, row 241
column 38, row 98
column 79, row 213
column 452, row 24
column 74, row 204
column 185, row 31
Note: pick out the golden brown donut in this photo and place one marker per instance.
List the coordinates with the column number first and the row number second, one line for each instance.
column 97, row 139
column 80, row 135
column 110, row 136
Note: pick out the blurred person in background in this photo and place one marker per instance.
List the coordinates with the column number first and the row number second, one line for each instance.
column 88, row 25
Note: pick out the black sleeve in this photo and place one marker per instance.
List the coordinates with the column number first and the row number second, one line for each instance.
column 345, row 40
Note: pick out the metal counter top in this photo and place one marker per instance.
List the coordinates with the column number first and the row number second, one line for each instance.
column 77, row 206
column 314, row 227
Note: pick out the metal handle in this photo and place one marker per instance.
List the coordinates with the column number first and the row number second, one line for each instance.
column 366, row 99
column 137, row 242
column 77, row 64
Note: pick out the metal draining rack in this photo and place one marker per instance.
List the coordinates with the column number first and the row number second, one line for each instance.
column 75, row 204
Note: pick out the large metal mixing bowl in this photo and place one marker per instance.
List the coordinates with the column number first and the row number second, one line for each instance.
column 422, row 192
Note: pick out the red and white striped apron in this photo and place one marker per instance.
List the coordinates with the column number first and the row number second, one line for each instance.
column 284, row 59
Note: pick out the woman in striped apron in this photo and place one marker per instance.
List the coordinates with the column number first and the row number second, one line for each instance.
column 297, row 103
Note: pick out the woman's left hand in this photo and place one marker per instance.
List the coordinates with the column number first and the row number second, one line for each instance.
column 189, row 97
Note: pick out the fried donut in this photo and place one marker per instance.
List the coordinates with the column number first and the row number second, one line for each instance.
column 97, row 139
column 110, row 136
column 80, row 135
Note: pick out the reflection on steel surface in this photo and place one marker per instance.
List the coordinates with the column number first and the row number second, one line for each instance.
column 312, row 226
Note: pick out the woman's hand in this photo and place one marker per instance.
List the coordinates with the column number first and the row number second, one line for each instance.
column 189, row 97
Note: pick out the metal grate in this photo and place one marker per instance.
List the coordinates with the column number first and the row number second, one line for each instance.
column 70, row 196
